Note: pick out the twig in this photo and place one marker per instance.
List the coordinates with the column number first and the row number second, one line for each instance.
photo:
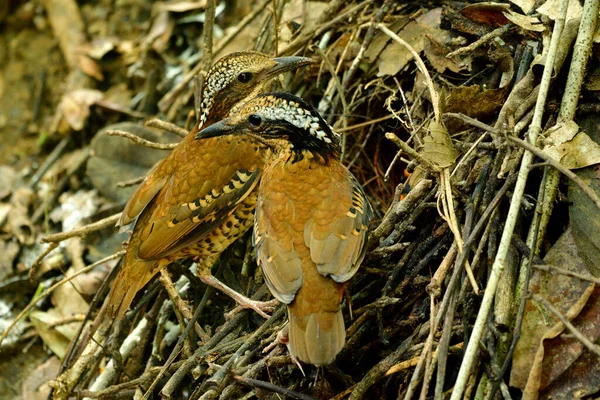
column 51, row 289
column 142, row 142
column 422, row 68
column 562, row 271
column 584, row 340
column 51, row 159
column 272, row 388
column 166, row 126
column 413, row 153
column 83, row 231
column 33, row 270
column 585, row 188
column 481, row 41
column 513, row 213
column 131, row 182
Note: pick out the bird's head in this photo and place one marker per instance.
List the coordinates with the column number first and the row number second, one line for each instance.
column 280, row 121
column 240, row 76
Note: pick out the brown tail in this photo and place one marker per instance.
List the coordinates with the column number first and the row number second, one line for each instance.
column 317, row 332
column 134, row 275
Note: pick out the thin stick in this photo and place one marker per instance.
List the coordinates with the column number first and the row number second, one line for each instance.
column 83, row 231
column 51, row 289
column 562, row 271
column 131, row 182
column 142, row 142
column 421, row 66
column 166, row 126
column 585, row 188
column 585, row 341
column 168, row 99
column 511, row 220
column 411, row 152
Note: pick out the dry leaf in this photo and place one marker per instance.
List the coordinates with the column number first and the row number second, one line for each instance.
column 475, row 102
column 75, row 106
column 527, row 22
column 90, row 67
column 436, row 54
column 487, row 13
column 551, row 7
column 572, row 148
column 35, row 386
column 395, row 56
column 568, row 295
column 437, row 146
column 525, row 5
column 585, row 219
column 57, row 338
column 180, row 6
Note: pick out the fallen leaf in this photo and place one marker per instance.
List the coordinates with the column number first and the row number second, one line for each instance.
column 436, row 53
column 35, row 386
column 116, row 159
column 57, row 338
column 487, row 13
column 474, row 101
column 585, row 219
column 568, row 295
column 562, row 368
column 571, row 147
column 525, row 5
column 90, row 67
column 527, row 22
column 75, row 106
column 437, row 146
column 551, row 8
column 396, row 56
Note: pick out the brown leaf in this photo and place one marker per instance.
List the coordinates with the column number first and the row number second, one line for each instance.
column 90, row 67
column 395, row 56
column 585, row 219
column 437, row 146
column 568, row 295
column 436, row 54
column 487, row 13
column 572, row 148
column 475, row 101
column 75, row 106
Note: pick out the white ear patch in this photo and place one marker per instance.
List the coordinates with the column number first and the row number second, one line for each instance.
column 292, row 112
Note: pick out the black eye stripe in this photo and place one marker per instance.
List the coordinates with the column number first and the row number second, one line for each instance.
column 244, row 77
column 254, row 120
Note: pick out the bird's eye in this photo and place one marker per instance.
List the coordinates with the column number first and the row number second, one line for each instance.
column 255, row 120
column 244, row 77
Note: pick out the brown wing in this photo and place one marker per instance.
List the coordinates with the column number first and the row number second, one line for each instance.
column 186, row 223
column 337, row 232
column 144, row 194
column 273, row 240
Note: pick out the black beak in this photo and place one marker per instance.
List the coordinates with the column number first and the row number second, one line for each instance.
column 217, row 129
column 284, row 64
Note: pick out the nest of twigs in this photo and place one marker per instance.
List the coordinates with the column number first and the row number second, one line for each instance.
column 449, row 116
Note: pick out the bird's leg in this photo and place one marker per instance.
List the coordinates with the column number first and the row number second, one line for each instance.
column 259, row 306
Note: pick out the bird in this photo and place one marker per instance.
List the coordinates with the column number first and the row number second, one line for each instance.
column 200, row 198
column 311, row 220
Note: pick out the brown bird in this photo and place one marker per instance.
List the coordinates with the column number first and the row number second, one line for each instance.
column 310, row 227
column 201, row 197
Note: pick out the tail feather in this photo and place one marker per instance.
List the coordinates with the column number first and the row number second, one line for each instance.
column 134, row 275
column 316, row 338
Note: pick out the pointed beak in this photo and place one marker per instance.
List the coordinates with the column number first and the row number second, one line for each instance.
column 284, row 64
column 217, row 129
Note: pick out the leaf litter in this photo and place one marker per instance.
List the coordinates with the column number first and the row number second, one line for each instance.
column 436, row 150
